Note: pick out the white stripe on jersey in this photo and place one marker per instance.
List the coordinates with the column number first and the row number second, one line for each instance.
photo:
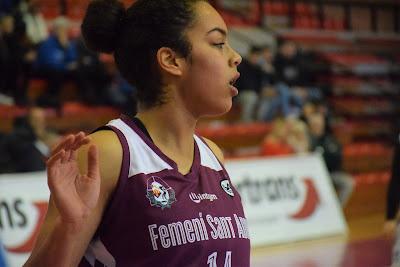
column 97, row 251
column 142, row 158
column 207, row 157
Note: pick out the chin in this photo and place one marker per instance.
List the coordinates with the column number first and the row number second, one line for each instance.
column 218, row 109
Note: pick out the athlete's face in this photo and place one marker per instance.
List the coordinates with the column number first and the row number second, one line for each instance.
column 212, row 67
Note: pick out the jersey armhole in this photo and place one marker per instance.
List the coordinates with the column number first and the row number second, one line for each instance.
column 110, row 210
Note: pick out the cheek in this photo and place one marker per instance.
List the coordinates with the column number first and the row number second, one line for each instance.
column 209, row 73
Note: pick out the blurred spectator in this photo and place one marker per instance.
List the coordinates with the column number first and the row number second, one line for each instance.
column 275, row 143
column 285, row 97
column 279, row 100
column 17, row 56
column 57, row 62
column 266, row 62
column 6, row 6
column 393, row 204
column 6, row 26
column 25, row 149
column 93, row 77
column 325, row 143
column 287, row 64
column 123, row 95
column 249, row 84
column 36, row 27
column 288, row 136
column 298, row 137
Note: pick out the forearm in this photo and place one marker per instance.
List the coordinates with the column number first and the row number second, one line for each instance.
column 59, row 248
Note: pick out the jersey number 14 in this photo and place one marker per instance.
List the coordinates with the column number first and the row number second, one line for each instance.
column 212, row 259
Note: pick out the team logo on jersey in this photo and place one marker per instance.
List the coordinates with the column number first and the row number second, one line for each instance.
column 160, row 193
column 227, row 187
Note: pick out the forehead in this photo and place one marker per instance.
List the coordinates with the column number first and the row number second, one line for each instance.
column 207, row 18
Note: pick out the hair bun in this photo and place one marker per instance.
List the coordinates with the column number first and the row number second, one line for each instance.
column 101, row 24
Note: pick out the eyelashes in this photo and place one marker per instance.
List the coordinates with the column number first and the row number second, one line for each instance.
column 219, row 45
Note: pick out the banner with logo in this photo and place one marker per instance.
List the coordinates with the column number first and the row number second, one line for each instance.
column 23, row 205
column 287, row 198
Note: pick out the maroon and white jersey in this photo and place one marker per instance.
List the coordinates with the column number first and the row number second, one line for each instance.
column 159, row 217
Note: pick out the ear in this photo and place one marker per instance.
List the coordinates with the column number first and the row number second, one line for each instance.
column 170, row 61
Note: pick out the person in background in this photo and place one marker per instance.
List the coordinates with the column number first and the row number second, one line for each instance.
column 250, row 84
column 93, row 76
column 6, row 27
column 29, row 144
column 325, row 143
column 35, row 24
column 288, row 137
column 57, row 62
column 287, row 64
column 393, row 204
column 16, row 56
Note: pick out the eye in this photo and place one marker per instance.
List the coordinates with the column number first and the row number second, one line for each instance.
column 219, row 45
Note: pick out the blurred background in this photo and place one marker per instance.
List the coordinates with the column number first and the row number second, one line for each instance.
column 317, row 76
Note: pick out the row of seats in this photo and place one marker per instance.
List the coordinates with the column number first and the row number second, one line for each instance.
column 279, row 8
column 313, row 23
column 75, row 9
column 353, row 59
column 371, row 178
column 354, row 106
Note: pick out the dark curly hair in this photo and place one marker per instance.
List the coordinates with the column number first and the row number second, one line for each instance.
column 135, row 35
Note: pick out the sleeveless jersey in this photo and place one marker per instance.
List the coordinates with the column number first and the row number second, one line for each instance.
column 159, row 217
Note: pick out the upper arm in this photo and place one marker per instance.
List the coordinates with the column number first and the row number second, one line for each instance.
column 217, row 151
column 110, row 160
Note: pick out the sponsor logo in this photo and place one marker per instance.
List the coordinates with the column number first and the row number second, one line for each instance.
column 227, row 187
column 159, row 193
column 17, row 218
column 197, row 198
column 311, row 201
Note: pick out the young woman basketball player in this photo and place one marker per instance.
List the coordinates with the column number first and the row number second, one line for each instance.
column 154, row 194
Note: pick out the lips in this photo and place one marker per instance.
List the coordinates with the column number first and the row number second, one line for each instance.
column 234, row 90
column 234, row 79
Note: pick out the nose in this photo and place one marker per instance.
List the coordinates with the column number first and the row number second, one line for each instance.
column 236, row 59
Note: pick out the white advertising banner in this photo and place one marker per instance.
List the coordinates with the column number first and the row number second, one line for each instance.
column 287, row 198
column 23, row 205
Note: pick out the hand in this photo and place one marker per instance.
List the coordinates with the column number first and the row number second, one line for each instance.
column 389, row 229
column 75, row 195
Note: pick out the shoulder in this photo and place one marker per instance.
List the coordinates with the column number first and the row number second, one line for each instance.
column 215, row 149
column 110, row 156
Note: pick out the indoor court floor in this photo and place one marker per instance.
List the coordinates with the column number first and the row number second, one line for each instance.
column 364, row 246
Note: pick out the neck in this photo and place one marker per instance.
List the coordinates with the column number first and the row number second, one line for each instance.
column 171, row 127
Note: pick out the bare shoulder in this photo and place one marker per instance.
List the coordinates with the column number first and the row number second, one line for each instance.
column 217, row 151
column 110, row 155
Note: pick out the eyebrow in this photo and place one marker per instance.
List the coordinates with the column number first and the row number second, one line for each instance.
column 216, row 29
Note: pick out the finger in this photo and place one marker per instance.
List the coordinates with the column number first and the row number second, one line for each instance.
column 53, row 159
column 67, row 156
column 93, row 162
column 83, row 141
column 76, row 138
column 64, row 144
column 72, row 155
column 79, row 136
